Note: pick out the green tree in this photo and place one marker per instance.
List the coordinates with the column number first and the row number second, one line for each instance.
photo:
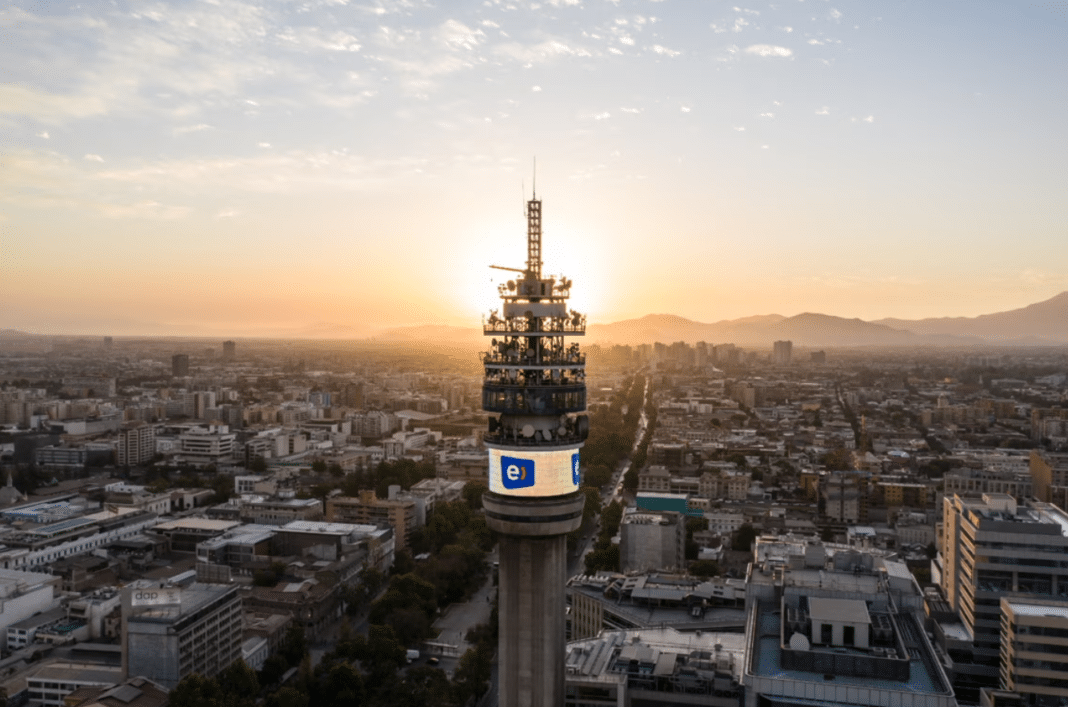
column 239, row 683
column 294, row 646
column 287, row 697
column 603, row 558
column 704, row 568
column 195, row 690
column 343, row 686
column 592, row 506
column 743, row 538
column 274, row 667
column 837, row 460
column 472, row 675
column 472, row 494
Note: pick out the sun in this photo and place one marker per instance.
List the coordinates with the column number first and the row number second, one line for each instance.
column 565, row 252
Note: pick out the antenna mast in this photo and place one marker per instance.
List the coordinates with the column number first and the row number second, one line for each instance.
column 534, row 229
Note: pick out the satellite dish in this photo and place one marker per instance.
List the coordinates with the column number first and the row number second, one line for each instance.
column 561, row 431
column 799, row 642
column 528, row 430
column 511, row 284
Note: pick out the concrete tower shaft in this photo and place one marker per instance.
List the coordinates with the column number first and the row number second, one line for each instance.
column 534, row 386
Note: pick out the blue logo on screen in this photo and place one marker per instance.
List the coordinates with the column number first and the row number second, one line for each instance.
column 576, row 474
column 517, row 473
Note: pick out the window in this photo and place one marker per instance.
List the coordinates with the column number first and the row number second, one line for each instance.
column 848, row 635
column 826, row 633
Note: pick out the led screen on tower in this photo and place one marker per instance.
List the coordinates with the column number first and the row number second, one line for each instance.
column 538, row 473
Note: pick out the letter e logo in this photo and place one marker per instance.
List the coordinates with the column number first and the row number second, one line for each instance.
column 517, row 473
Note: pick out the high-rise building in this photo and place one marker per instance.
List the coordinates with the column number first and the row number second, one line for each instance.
column 229, row 350
column 169, row 633
column 180, row 365
column 535, row 391
column 137, row 444
column 994, row 549
column 1034, row 650
column 782, row 353
column 1049, row 476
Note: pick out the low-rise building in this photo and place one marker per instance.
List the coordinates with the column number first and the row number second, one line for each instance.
column 400, row 514
column 660, row 666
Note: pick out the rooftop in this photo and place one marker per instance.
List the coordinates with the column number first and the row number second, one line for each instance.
column 309, row 526
column 669, row 650
column 766, row 661
column 197, row 524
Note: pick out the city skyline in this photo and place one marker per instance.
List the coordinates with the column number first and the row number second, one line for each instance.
column 263, row 168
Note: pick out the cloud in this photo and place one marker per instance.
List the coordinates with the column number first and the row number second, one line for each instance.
column 740, row 128
column 739, row 24
column 535, row 89
column 631, row 110
column 144, row 210
column 836, row 15
column 264, row 145
column 314, row 38
column 191, row 128
column 767, row 115
column 684, row 109
column 824, row 111
column 229, row 213
column 19, row 100
column 815, row 41
column 768, row 50
column 538, row 53
column 94, row 158
column 602, row 116
column 663, row 50
column 870, row 119
column 270, row 172
column 43, row 134
column 458, row 35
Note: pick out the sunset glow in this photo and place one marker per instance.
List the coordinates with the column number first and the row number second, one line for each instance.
column 246, row 168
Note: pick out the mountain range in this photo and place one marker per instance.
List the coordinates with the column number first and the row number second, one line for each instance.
column 1041, row 324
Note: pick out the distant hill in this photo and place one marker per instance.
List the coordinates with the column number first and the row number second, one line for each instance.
column 1045, row 322
column 431, row 332
column 1040, row 324
column 807, row 329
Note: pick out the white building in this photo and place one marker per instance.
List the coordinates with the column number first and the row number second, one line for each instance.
column 203, row 446
column 23, row 594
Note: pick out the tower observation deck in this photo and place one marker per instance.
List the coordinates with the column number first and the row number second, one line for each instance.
column 534, row 388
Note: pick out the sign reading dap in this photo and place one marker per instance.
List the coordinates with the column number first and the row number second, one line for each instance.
column 517, row 473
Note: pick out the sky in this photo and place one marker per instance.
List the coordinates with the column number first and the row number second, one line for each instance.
column 329, row 167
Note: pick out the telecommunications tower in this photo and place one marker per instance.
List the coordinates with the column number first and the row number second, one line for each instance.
column 535, row 390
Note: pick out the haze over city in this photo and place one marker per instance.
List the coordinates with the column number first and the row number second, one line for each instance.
column 333, row 168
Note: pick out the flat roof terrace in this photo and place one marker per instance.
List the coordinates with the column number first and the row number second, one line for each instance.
column 766, row 674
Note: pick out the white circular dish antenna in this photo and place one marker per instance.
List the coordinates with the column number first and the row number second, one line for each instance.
column 799, row 642
column 528, row 430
